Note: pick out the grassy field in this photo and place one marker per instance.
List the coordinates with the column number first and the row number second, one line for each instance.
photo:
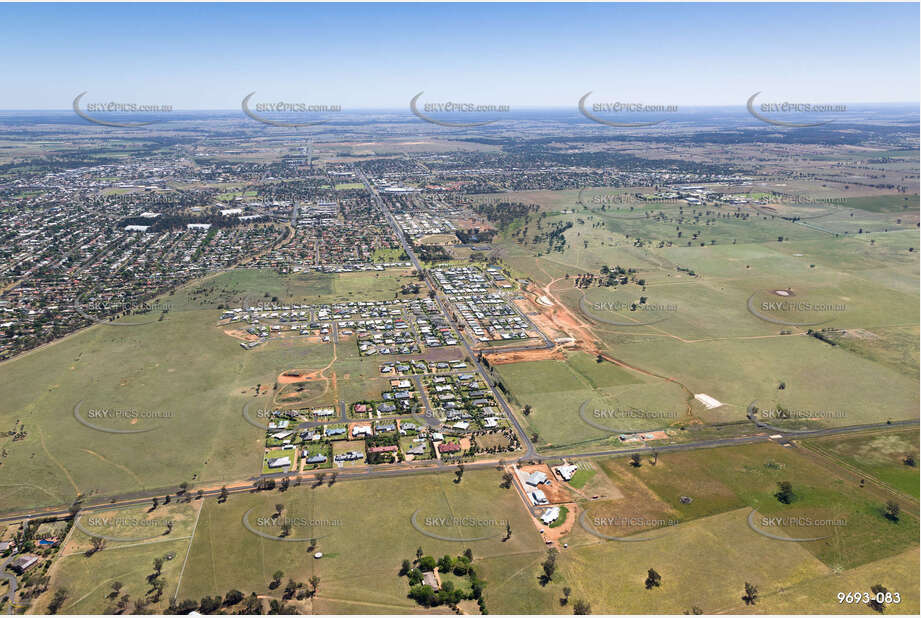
column 89, row 579
column 819, row 596
column 188, row 404
column 363, row 551
column 855, row 261
column 722, row 479
column 704, row 560
column 882, row 457
column 579, row 402
column 708, row 556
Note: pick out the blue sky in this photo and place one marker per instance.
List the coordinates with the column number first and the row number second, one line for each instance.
column 208, row 56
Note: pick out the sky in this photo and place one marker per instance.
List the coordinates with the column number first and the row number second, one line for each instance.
column 209, row 56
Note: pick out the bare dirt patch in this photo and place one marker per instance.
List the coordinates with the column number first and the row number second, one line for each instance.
column 555, row 490
column 240, row 334
column 504, row 358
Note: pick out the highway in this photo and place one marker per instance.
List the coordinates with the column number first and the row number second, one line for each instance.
column 396, row 470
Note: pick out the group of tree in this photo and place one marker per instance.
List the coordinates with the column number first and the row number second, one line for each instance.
column 548, row 566
column 448, row 594
column 234, row 602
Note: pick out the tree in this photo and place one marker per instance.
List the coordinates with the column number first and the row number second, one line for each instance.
column 468, row 553
column 406, row 567
column 751, row 593
column 655, row 457
column 418, row 553
column 549, row 567
column 878, row 590
column 314, row 583
column 278, row 509
column 290, row 589
column 696, row 611
column 252, row 605
column 909, row 460
column 116, row 587
column 566, row 592
column 233, row 597
column 210, row 605
column 427, row 563
column 527, row 410
column 507, row 479
column 183, row 487
column 581, row 608
column 893, row 510
column 285, row 529
column 459, row 473
column 508, row 531
column 158, row 567
column 653, row 579
column 276, row 579
column 155, row 504
column 157, row 586
column 98, row 544
column 635, row 460
column 57, row 601
column 222, row 497
column 785, row 493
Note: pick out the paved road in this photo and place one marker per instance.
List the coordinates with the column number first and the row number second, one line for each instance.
column 11, row 593
column 522, row 435
column 396, row 470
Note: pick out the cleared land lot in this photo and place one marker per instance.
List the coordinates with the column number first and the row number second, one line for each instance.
column 882, row 457
column 578, row 402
